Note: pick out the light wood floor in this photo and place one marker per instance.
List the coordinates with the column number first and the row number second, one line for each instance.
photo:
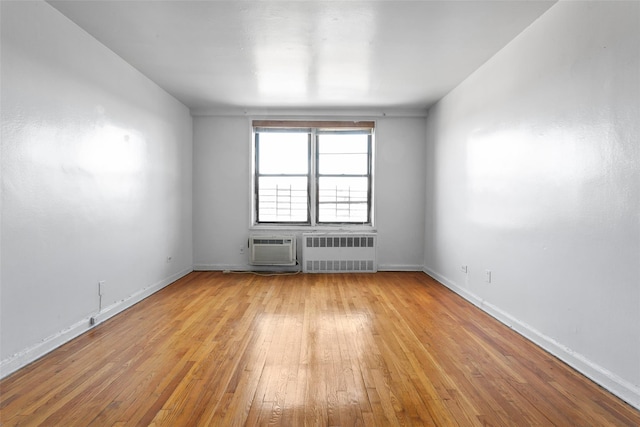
column 218, row 349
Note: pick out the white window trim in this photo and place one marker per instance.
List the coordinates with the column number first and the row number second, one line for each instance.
column 313, row 227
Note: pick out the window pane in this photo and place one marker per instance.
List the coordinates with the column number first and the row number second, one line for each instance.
column 283, row 152
column 282, row 199
column 338, row 189
column 343, row 164
column 343, row 199
column 343, row 154
column 337, row 212
column 343, row 142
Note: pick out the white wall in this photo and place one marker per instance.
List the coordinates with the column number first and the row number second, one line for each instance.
column 96, row 183
column 534, row 174
column 400, row 196
column 222, row 191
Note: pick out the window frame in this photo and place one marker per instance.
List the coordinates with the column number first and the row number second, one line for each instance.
column 314, row 128
column 368, row 174
column 257, row 174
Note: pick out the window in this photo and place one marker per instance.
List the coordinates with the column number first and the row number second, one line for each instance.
column 282, row 175
column 313, row 173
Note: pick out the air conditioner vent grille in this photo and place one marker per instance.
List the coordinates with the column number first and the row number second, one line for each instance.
column 257, row 241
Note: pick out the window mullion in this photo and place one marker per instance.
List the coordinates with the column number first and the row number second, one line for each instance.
column 370, row 177
column 313, row 180
column 256, row 175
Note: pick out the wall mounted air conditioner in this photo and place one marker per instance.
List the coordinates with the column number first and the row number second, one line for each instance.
column 272, row 250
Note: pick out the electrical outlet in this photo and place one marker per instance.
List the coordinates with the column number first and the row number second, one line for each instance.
column 169, row 258
column 463, row 268
column 487, row 277
column 242, row 250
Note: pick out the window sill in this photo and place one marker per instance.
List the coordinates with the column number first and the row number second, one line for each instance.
column 314, row 229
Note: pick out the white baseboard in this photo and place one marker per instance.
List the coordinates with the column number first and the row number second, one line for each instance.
column 245, row 267
column 221, row 267
column 31, row 354
column 605, row 378
column 399, row 267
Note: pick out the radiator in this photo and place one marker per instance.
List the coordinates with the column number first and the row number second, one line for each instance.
column 329, row 253
column 272, row 250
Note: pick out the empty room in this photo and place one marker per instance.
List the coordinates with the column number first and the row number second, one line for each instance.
column 323, row 213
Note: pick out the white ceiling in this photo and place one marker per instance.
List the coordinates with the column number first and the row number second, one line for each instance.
column 305, row 54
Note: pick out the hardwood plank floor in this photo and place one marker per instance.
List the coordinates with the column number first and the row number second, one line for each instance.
column 380, row 349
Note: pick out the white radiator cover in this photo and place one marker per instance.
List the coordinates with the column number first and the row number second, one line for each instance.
column 343, row 252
